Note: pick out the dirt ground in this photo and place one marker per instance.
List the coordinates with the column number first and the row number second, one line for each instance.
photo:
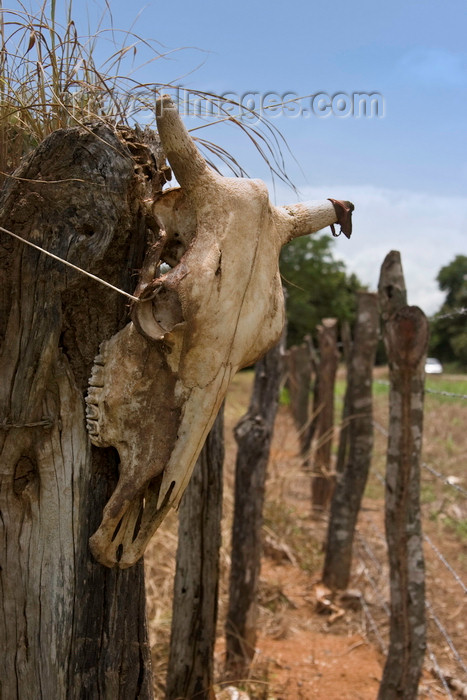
column 309, row 647
column 309, row 658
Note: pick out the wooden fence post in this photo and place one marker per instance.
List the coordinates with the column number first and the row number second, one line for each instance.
column 253, row 434
column 70, row 627
column 406, row 338
column 299, row 379
column 193, row 635
column 343, row 448
column 322, row 482
column 351, row 483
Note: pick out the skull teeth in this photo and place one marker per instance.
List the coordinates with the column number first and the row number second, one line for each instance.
column 92, row 411
column 93, row 432
column 96, row 379
column 96, row 384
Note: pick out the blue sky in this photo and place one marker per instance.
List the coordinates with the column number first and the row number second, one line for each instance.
column 406, row 171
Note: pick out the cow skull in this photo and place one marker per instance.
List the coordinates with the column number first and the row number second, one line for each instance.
column 157, row 385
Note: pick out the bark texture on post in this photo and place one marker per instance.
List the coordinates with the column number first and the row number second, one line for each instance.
column 391, row 286
column 70, row 628
column 253, row 434
column 322, row 482
column 343, row 448
column 191, row 659
column 299, row 379
column 406, row 338
column 351, row 483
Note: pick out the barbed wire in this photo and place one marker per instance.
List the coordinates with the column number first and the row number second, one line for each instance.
column 440, row 556
column 446, row 563
column 377, row 533
column 374, row 626
column 446, row 636
column 363, row 542
column 444, row 479
column 450, row 314
column 365, row 545
column 439, row 672
column 432, row 470
column 377, row 633
column 381, row 428
column 448, row 394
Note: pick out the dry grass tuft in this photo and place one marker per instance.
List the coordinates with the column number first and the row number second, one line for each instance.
column 50, row 79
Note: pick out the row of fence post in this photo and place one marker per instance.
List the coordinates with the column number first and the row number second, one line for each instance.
column 405, row 333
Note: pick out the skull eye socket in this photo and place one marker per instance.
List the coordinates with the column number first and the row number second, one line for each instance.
column 175, row 247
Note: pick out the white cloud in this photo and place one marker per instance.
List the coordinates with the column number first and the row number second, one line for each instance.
column 429, row 231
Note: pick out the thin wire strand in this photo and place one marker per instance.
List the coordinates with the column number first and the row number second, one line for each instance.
column 364, row 543
column 446, row 636
column 426, row 466
column 446, row 563
column 366, row 546
column 456, row 312
column 374, row 626
column 444, row 479
column 69, row 264
column 450, row 394
column 439, row 672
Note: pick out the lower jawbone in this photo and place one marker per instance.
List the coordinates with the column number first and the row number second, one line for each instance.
column 131, row 384
column 138, row 405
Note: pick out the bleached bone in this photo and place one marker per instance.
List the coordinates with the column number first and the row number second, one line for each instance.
column 156, row 386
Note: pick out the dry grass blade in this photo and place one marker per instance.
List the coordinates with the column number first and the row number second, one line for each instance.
column 49, row 79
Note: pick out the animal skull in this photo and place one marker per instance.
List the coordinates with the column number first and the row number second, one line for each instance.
column 157, row 385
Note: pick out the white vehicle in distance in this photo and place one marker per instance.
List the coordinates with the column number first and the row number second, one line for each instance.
column 433, row 366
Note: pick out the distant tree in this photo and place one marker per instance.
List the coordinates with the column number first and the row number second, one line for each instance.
column 449, row 332
column 317, row 286
column 452, row 279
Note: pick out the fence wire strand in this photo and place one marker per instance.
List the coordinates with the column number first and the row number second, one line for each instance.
column 448, row 566
column 439, row 672
column 365, row 546
column 446, row 636
column 444, row 479
column 449, row 394
column 451, row 314
column 374, row 626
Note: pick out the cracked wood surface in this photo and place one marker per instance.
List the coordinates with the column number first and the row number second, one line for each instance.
column 69, row 628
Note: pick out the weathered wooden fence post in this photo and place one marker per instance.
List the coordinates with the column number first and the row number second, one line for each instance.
column 298, row 382
column 342, row 450
column 70, row 627
column 191, row 657
column 351, row 483
column 322, row 482
column 406, row 338
column 253, row 434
